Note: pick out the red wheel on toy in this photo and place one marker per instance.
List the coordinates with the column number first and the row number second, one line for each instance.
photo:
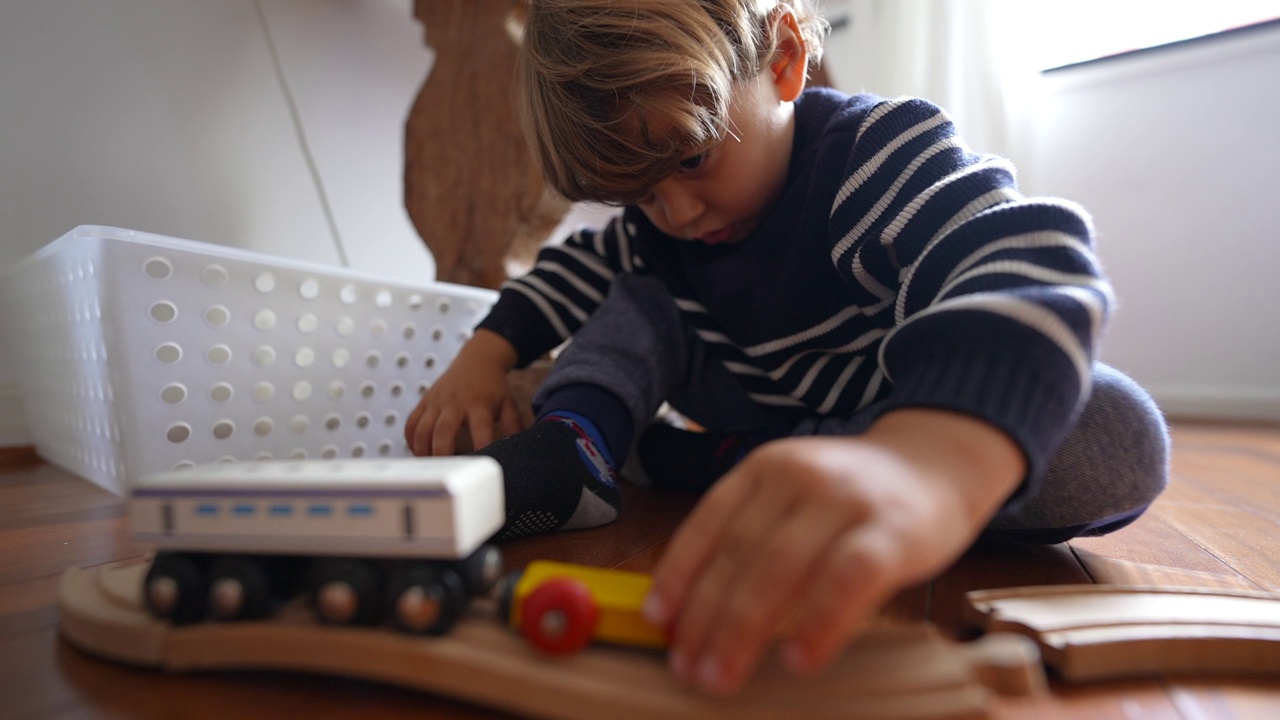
column 559, row 616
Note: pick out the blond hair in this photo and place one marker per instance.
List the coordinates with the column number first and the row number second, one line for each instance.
column 613, row 94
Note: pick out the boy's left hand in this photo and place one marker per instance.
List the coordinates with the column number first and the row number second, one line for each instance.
column 807, row 537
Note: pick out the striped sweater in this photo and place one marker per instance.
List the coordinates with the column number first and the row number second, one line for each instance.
column 896, row 266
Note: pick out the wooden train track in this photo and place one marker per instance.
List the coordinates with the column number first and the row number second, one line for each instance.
column 1102, row 632
column 907, row 672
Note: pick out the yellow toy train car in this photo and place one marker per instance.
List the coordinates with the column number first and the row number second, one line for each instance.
column 560, row 608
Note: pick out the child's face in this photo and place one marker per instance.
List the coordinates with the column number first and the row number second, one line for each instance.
column 720, row 196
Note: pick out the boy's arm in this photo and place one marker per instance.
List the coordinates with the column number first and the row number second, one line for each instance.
column 543, row 308
column 534, row 313
column 998, row 299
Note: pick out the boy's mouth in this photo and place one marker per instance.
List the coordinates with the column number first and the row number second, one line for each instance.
column 716, row 237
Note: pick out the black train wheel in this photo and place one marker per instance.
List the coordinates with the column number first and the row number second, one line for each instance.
column 239, row 588
column 174, row 588
column 346, row 591
column 481, row 570
column 427, row 598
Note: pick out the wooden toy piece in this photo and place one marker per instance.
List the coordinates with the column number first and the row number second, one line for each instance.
column 560, row 607
column 1100, row 632
column 898, row 672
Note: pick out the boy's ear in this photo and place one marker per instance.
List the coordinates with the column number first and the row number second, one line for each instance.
column 790, row 64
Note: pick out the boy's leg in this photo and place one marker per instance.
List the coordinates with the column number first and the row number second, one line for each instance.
column 1110, row 467
column 611, row 379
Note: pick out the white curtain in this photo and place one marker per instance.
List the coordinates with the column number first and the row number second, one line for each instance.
column 964, row 55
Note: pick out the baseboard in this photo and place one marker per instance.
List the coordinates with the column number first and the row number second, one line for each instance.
column 1221, row 403
column 13, row 421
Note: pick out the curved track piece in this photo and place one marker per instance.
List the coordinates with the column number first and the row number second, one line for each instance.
column 1101, row 632
column 907, row 672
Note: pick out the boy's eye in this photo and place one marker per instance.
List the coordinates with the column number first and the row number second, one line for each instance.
column 692, row 163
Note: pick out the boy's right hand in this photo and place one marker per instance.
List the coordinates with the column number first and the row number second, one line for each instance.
column 473, row 390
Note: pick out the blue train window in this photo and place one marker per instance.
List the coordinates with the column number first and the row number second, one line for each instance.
column 360, row 509
column 207, row 509
column 319, row 510
column 242, row 509
column 280, row 510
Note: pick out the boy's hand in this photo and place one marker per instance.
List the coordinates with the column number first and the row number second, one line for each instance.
column 473, row 390
column 807, row 537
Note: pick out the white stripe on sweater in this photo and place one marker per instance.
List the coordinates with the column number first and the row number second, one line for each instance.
column 1026, row 241
column 589, row 261
column 815, row 330
column 883, row 202
column 974, row 208
column 1032, row 315
column 872, row 165
column 547, row 311
column 537, row 283
column 807, row 381
column 969, row 210
column 839, row 385
column 565, row 274
column 624, row 244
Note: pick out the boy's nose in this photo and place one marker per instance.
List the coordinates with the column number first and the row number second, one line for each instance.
column 679, row 206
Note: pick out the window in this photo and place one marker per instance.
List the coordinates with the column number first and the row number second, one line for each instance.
column 1072, row 31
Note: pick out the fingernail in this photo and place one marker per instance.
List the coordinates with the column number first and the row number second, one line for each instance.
column 653, row 610
column 679, row 663
column 710, row 674
column 793, row 656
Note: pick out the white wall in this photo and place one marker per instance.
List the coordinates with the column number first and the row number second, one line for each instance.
column 1175, row 152
column 274, row 125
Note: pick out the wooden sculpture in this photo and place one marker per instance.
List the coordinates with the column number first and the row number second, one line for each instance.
column 905, row 672
column 472, row 188
column 1100, row 632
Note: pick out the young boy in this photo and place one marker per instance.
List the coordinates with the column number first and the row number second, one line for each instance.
column 891, row 348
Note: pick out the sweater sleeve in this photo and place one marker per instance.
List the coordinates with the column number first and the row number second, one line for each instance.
column 998, row 299
column 543, row 308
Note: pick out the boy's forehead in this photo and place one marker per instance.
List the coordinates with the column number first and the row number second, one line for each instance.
column 655, row 132
column 656, row 144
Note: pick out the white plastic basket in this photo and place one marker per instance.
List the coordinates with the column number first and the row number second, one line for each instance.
column 139, row 353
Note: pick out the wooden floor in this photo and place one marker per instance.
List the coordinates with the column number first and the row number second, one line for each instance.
column 1217, row 526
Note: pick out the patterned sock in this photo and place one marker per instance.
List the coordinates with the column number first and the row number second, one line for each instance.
column 558, row 475
column 690, row 461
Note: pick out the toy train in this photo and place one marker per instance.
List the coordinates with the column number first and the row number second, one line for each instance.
column 399, row 539
column 560, row 608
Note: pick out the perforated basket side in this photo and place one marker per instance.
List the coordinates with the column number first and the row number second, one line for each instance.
column 58, row 329
column 222, row 354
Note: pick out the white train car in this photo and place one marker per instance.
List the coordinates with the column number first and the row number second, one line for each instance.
column 400, row 538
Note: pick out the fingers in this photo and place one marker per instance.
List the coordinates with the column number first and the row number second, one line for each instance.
column 445, row 433
column 481, row 427
column 791, row 545
column 853, row 580
column 742, row 601
column 411, row 425
column 509, row 418
column 693, row 543
column 421, row 430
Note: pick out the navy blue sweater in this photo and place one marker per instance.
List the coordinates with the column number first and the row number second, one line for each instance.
column 896, row 265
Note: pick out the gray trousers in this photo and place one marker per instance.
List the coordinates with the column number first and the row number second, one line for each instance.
column 1111, row 465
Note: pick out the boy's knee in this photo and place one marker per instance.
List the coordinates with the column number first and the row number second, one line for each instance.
column 1121, row 415
column 1110, row 467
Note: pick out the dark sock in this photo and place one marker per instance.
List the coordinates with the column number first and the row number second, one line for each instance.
column 687, row 461
column 609, row 418
column 557, row 476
